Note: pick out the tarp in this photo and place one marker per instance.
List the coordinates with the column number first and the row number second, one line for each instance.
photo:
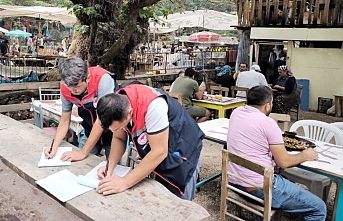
column 208, row 19
column 49, row 13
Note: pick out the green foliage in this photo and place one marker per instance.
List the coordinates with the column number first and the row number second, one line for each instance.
column 81, row 28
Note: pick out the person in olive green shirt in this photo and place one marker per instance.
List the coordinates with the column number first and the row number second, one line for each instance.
column 190, row 89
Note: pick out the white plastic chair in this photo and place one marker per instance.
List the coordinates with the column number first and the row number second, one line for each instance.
column 49, row 93
column 338, row 125
column 319, row 130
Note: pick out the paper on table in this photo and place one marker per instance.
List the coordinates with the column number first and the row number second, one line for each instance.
column 91, row 179
column 63, row 185
column 54, row 162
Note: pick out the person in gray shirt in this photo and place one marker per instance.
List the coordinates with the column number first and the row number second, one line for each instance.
column 83, row 87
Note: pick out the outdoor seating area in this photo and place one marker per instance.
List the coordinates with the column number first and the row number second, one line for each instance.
column 230, row 112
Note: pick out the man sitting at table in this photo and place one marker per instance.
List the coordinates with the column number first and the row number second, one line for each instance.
column 249, row 79
column 256, row 137
column 160, row 129
column 83, row 87
column 190, row 89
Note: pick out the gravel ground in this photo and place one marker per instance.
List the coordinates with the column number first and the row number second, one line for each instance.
column 209, row 195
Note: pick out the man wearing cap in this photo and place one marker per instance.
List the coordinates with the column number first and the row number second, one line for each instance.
column 249, row 79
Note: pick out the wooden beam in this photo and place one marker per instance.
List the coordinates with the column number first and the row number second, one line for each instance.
column 294, row 10
column 239, row 8
column 29, row 86
column 309, row 21
column 14, row 107
column 266, row 18
column 276, row 8
column 259, row 12
column 301, row 14
column 252, row 13
column 316, row 12
column 284, row 12
column 335, row 12
column 325, row 16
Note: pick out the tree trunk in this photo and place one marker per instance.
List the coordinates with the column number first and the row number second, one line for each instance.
column 112, row 33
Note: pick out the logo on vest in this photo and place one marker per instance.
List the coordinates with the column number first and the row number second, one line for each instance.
column 95, row 102
column 142, row 139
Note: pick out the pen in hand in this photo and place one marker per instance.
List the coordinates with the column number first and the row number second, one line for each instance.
column 52, row 143
column 105, row 173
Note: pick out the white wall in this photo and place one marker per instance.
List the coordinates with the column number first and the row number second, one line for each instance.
column 322, row 66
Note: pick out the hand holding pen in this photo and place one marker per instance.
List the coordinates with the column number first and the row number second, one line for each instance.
column 50, row 150
column 106, row 169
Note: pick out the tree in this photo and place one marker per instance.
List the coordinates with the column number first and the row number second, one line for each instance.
column 109, row 31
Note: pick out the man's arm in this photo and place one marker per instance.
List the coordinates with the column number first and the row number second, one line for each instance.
column 118, row 147
column 199, row 91
column 284, row 160
column 61, row 132
column 114, row 184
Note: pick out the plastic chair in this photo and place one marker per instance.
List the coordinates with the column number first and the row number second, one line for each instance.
column 318, row 130
column 166, row 88
column 339, row 125
column 321, row 131
column 234, row 195
column 49, row 94
column 38, row 118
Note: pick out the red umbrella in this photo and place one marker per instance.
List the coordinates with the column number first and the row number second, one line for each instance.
column 204, row 36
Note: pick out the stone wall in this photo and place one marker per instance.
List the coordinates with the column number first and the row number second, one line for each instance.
column 18, row 97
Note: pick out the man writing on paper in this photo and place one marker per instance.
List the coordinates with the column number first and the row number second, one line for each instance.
column 166, row 137
column 83, row 87
column 256, row 137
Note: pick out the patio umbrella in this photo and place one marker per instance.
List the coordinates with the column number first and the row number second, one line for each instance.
column 3, row 30
column 203, row 36
column 18, row 33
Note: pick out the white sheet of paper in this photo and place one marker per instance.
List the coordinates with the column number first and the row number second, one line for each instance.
column 63, row 185
column 55, row 162
column 91, row 179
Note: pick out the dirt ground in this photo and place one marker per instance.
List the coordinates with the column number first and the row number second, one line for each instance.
column 209, row 195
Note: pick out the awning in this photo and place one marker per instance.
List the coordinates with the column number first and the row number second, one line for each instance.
column 49, row 13
column 208, row 19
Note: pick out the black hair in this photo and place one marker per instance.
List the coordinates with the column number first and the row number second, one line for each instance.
column 112, row 107
column 259, row 95
column 189, row 72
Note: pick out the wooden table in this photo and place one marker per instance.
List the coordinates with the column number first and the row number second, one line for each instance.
column 216, row 131
column 330, row 161
column 53, row 109
column 230, row 103
column 21, row 147
column 338, row 101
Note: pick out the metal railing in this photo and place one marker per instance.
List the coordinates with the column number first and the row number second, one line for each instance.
column 146, row 62
column 16, row 69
